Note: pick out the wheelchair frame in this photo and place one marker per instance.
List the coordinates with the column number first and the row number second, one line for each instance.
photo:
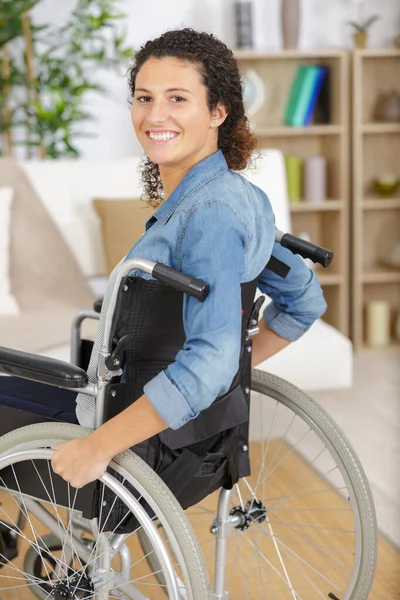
column 225, row 521
column 88, row 499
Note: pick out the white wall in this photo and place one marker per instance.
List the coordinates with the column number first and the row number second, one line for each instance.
column 323, row 25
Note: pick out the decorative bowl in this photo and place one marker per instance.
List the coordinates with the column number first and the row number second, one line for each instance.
column 387, row 186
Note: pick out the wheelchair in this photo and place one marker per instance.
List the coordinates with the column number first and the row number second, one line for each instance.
column 299, row 524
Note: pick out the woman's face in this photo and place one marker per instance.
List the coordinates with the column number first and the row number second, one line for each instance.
column 170, row 114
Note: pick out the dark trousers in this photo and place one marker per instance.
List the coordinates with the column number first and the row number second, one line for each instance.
column 38, row 398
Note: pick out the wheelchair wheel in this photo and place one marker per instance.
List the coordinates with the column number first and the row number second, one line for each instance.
column 86, row 558
column 42, row 560
column 302, row 526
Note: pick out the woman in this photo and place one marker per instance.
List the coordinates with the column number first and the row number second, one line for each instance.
column 188, row 115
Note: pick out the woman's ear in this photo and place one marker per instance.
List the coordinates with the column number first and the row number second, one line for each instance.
column 219, row 114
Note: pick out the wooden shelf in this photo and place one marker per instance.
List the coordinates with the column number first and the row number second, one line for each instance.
column 378, row 53
column 327, row 205
column 329, row 278
column 378, row 275
column 245, row 55
column 327, row 223
column 377, row 128
column 394, row 346
column 309, row 130
column 380, row 203
column 375, row 151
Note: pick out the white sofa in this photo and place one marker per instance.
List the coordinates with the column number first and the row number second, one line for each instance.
column 321, row 359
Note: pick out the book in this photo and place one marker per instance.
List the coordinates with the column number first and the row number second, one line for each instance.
column 315, row 94
column 305, row 95
column 322, row 112
column 294, row 94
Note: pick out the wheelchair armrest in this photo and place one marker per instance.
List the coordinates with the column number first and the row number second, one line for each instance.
column 42, row 369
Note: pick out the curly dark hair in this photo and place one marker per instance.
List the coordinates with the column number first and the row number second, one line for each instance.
column 219, row 69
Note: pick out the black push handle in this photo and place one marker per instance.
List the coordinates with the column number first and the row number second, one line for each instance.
column 306, row 249
column 181, row 282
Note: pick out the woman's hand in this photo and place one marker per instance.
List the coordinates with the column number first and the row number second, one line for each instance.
column 83, row 460
column 78, row 462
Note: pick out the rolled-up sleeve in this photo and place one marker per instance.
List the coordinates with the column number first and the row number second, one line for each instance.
column 212, row 249
column 297, row 300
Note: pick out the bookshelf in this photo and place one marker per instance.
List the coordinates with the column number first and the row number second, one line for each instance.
column 375, row 218
column 326, row 223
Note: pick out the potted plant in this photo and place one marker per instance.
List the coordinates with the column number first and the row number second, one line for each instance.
column 47, row 73
column 361, row 30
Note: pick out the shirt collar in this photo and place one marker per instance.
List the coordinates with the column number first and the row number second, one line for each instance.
column 203, row 172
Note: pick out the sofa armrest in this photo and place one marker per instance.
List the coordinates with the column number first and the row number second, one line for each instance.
column 42, row 369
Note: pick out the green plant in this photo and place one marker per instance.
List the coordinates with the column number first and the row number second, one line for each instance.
column 363, row 26
column 58, row 69
column 10, row 18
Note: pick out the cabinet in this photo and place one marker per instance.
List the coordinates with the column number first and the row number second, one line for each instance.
column 327, row 223
column 375, row 218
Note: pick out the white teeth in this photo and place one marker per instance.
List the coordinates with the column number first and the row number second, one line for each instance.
column 162, row 136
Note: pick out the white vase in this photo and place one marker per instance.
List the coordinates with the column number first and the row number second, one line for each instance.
column 290, row 23
column 315, row 179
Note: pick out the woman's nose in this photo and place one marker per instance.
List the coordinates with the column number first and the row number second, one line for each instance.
column 158, row 112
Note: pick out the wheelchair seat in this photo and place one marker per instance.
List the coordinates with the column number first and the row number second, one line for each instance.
column 38, row 398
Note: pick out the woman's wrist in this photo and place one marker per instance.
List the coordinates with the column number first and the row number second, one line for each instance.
column 101, row 445
column 135, row 424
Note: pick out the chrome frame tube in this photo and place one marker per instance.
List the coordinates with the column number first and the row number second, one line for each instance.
column 224, row 525
column 91, row 389
column 125, row 558
column 122, row 271
column 102, row 571
column 100, row 403
column 76, row 328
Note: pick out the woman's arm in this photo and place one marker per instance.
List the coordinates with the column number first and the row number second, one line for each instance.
column 266, row 343
column 297, row 300
column 84, row 460
column 213, row 250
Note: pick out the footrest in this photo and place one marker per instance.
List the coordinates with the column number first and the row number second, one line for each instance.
column 42, row 369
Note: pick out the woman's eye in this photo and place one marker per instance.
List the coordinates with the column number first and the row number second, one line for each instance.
column 143, row 99
column 178, row 99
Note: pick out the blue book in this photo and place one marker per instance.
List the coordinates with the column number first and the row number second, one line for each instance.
column 315, row 94
column 305, row 95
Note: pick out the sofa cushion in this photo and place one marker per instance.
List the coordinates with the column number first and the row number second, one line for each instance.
column 321, row 359
column 43, row 272
column 75, row 183
column 122, row 224
column 36, row 330
column 269, row 174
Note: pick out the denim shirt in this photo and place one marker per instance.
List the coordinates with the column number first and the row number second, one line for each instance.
column 219, row 227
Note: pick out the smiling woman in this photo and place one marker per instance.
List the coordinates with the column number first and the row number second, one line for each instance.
column 190, row 85
column 174, row 124
column 211, row 223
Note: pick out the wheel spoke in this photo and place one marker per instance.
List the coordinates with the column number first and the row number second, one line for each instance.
column 64, row 535
column 30, row 523
column 302, row 503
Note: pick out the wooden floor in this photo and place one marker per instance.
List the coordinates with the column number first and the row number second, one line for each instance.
column 387, row 578
column 369, row 414
column 244, row 577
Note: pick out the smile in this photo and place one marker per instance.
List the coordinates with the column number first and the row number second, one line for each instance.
column 164, row 136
